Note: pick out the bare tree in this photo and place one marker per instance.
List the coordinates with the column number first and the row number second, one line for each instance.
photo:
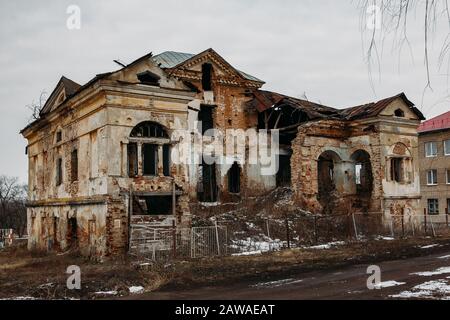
column 12, row 204
column 36, row 107
column 392, row 17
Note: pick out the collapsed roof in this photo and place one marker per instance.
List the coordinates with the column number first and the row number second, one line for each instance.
column 265, row 100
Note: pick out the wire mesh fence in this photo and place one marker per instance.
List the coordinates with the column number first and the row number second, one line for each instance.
column 230, row 236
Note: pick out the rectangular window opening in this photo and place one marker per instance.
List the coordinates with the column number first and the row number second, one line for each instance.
column 397, row 169
column 150, row 159
column 132, row 160
column 74, row 166
column 152, row 205
column 59, row 174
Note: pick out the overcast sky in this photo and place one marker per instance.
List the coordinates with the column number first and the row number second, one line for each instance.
column 313, row 47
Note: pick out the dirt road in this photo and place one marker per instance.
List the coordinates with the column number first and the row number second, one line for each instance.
column 399, row 279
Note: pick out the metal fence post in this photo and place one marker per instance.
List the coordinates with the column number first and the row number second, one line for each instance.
column 403, row 224
column 354, row 226
column 217, row 237
column 316, row 236
column 446, row 216
column 425, row 219
column 287, row 233
column 174, row 235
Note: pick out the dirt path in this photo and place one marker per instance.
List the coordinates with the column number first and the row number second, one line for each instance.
column 341, row 283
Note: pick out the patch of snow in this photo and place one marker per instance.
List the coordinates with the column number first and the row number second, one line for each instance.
column 248, row 253
column 438, row 289
column 444, row 257
column 20, row 298
column 326, row 245
column 209, row 204
column 388, row 284
column 439, row 271
column 274, row 284
column 430, row 246
column 386, row 238
column 136, row 289
column 106, row 293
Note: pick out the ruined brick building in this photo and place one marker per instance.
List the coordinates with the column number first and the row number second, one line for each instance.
column 100, row 154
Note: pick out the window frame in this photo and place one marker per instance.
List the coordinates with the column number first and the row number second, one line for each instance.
column 435, row 176
column 432, row 143
column 447, row 176
column 446, row 147
column 436, row 206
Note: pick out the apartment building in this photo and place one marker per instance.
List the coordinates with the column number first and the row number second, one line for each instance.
column 434, row 153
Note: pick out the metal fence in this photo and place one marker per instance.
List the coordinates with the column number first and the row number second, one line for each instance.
column 231, row 236
column 6, row 237
column 162, row 244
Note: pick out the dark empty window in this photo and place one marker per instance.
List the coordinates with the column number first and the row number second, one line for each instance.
column 399, row 113
column 234, row 179
column 433, row 206
column 152, row 205
column 205, row 117
column 150, row 159
column 59, row 171
column 207, row 77
column 166, row 160
column 59, row 136
column 132, row 160
column 284, row 171
column 397, row 169
column 148, row 78
column 74, row 166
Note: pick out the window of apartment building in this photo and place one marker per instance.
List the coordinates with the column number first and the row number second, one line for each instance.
column 431, row 149
column 448, row 205
column 59, row 173
column 447, row 147
column 433, row 206
column 74, row 166
column 447, row 175
column 432, row 177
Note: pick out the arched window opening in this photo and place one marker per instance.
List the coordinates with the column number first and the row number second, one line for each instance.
column 399, row 113
column 363, row 172
column 148, row 150
column 326, row 175
column 234, row 178
column 149, row 129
